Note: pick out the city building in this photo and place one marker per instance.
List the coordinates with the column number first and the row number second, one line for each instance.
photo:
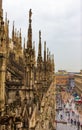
column 62, row 79
column 71, row 80
column 78, row 83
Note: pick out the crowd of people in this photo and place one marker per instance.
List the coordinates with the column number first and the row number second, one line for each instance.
column 71, row 114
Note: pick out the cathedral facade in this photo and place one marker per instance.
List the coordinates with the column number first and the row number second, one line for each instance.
column 24, row 78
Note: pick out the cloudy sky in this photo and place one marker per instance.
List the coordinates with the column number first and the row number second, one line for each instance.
column 60, row 24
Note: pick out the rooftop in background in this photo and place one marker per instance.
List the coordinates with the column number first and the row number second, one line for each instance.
column 62, row 72
column 81, row 71
column 79, row 74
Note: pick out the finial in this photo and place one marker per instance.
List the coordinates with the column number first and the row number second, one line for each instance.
column 20, row 37
column 20, row 33
column 13, row 26
column 24, row 43
column 6, row 17
column 0, row 5
column 53, row 63
column 13, row 33
column 40, row 37
column 44, row 45
column 40, row 51
column 47, row 54
column 44, row 51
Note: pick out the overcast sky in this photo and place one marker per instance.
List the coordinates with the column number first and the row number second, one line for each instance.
column 60, row 24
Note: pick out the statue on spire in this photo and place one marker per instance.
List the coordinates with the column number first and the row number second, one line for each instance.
column 29, row 41
column 30, row 13
column 39, row 35
column 39, row 47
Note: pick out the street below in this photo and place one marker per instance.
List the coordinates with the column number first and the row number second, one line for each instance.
column 67, row 116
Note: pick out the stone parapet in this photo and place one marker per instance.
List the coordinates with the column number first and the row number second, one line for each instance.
column 47, row 113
